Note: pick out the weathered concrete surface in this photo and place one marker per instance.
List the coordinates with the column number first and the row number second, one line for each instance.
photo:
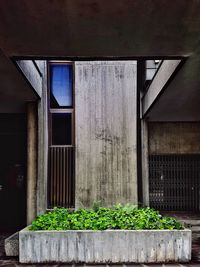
column 174, row 138
column 110, row 246
column 145, row 162
column 31, row 161
column 163, row 75
column 14, row 262
column 40, row 66
column 42, row 143
column 11, row 245
column 105, row 127
column 32, row 75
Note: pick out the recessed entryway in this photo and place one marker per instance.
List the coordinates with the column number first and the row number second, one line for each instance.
column 12, row 174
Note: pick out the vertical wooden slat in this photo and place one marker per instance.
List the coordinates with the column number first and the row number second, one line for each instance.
column 64, row 177
column 54, row 176
column 51, row 177
column 57, row 180
column 69, row 193
column 60, row 174
column 73, row 175
column 67, row 183
column 61, row 184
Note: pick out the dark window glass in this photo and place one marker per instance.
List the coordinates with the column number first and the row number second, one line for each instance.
column 61, row 129
column 61, row 85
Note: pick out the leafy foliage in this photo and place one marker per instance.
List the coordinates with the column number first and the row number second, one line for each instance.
column 100, row 218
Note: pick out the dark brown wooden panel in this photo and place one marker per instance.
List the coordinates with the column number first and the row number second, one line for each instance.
column 61, row 176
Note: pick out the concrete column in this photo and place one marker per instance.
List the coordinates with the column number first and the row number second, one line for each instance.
column 145, row 162
column 31, row 160
column 106, row 132
column 42, row 144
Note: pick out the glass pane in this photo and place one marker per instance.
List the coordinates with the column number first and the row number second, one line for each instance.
column 61, row 129
column 61, row 85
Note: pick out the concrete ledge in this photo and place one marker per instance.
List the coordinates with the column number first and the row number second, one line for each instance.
column 110, row 246
column 12, row 245
column 32, row 75
column 163, row 75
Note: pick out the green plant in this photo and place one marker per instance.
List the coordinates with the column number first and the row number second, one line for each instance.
column 101, row 218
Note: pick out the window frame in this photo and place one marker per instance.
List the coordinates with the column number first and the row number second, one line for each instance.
column 60, row 110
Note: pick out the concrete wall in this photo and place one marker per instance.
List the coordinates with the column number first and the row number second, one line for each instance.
column 105, row 128
column 31, row 161
column 42, row 144
column 174, row 138
column 37, row 156
column 145, row 162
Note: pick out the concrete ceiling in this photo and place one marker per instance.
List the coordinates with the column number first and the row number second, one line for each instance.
column 99, row 27
column 110, row 28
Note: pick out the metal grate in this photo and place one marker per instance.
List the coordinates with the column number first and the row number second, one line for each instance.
column 174, row 182
column 61, row 177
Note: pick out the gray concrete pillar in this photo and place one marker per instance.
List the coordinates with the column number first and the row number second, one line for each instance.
column 31, row 160
column 145, row 162
column 106, row 132
column 42, row 144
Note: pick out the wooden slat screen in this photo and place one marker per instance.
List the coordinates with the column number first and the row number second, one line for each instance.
column 61, row 177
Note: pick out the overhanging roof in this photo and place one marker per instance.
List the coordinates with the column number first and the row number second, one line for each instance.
column 99, row 27
column 102, row 28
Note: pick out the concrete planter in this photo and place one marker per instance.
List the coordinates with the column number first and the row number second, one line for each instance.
column 110, row 246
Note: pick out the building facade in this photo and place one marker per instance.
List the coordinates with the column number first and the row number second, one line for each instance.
column 97, row 108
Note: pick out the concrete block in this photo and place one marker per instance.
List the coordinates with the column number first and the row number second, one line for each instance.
column 110, row 246
column 12, row 245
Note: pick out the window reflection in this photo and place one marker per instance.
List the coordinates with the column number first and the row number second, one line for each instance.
column 61, row 80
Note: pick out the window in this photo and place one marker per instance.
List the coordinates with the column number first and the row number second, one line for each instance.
column 61, row 103
column 61, row 128
column 61, row 90
column 151, row 68
column 61, row 169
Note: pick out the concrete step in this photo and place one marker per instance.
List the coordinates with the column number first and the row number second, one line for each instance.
column 195, row 228
column 194, row 225
column 12, row 245
column 190, row 222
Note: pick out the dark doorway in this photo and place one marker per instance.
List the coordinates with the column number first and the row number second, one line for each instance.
column 12, row 172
